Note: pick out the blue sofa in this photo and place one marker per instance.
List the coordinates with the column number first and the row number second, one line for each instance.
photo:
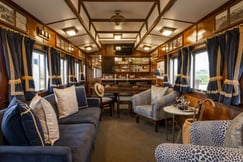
column 76, row 143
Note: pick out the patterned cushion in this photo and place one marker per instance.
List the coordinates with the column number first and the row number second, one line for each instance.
column 81, row 97
column 20, row 126
column 66, row 99
column 47, row 117
column 157, row 92
column 234, row 133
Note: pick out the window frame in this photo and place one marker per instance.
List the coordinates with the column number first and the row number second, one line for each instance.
column 63, row 70
column 193, row 72
column 40, row 52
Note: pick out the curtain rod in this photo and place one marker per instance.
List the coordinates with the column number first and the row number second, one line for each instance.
column 222, row 32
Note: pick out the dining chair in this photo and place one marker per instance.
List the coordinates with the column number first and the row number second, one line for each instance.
column 105, row 102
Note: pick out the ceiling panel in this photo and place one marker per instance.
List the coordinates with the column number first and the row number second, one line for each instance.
column 81, row 40
column 131, row 10
column 109, row 26
column 58, row 27
column 191, row 10
column 154, row 40
column 179, row 26
column 47, row 11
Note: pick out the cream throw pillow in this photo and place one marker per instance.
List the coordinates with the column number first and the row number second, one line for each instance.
column 48, row 119
column 66, row 99
column 157, row 92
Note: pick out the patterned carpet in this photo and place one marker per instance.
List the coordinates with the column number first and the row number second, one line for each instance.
column 123, row 140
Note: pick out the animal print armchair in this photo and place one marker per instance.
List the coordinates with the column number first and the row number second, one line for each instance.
column 211, row 141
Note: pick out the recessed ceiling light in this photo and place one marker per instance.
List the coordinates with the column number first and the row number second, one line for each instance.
column 167, row 31
column 71, row 31
column 146, row 47
column 88, row 48
column 117, row 36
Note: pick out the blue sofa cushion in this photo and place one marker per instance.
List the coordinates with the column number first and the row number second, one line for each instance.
column 85, row 115
column 80, row 139
column 81, row 97
column 20, row 126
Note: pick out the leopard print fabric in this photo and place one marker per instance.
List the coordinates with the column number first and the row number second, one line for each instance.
column 195, row 153
column 209, row 133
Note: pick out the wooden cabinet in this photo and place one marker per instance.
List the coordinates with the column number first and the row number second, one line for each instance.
column 131, row 64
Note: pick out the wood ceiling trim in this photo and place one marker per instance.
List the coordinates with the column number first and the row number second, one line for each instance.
column 79, row 35
column 157, row 1
column 188, row 22
column 167, row 8
column 70, row 4
column 60, row 21
column 101, row 32
column 126, row 20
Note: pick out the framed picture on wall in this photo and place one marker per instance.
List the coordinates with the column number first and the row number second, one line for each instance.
column 236, row 12
column 221, row 20
column 179, row 41
column 7, row 14
column 21, row 21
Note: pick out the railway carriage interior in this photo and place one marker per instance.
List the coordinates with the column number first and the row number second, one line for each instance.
column 121, row 80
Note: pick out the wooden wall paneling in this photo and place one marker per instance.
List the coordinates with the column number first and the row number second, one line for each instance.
column 190, row 36
column 205, row 28
column 52, row 40
column 32, row 27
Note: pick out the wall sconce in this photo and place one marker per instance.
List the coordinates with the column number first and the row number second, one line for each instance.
column 167, row 31
column 71, row 31
column 43, row 34
column 146, row 47
column 117, row 36
column 88, row 48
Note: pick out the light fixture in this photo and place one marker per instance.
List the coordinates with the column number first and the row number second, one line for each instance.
column 117, row 18
column 71, row 31
column 166, row 31
column 146, row 47
column 43, row 34
column 117, row 36
column 88, row 48
column 118, row 48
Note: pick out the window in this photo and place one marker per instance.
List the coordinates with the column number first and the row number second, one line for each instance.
column 200, row 70
column 39, row 67
column 77, row 71
column 63, row 71
column 173, row 70
column 161, row 67
column 96, row 73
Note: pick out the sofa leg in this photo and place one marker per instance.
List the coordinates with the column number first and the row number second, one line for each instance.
column 137, row 119
column 156, row 126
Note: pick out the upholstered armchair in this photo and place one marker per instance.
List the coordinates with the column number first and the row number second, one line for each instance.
column 211, row 141
column 149, row 104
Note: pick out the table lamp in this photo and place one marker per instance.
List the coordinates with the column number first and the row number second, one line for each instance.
column 156, row 73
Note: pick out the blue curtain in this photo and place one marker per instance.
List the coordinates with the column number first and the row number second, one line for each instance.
column 71, row 70
column 166, row 80
column 216, row 51
column 27, row 79
column 184, row 63
column 12, row 50
column 177, row 85
column 230, row 94
column 53, row 59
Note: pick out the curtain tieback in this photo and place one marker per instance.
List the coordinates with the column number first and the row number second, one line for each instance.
column 235, row 84
column 54, row 76
column 71, row 76
column 184, row 76
column 216, row 78
column 27, row 77
column 17, row 81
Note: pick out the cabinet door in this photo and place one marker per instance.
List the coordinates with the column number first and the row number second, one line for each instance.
column 108, row 64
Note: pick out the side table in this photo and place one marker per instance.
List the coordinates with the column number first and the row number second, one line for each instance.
column 172, row 109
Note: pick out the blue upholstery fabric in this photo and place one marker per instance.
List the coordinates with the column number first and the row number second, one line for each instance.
column 79, row 138
column 85, row 115
column 35, row 154
column 20, row 125
column 81, row 97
